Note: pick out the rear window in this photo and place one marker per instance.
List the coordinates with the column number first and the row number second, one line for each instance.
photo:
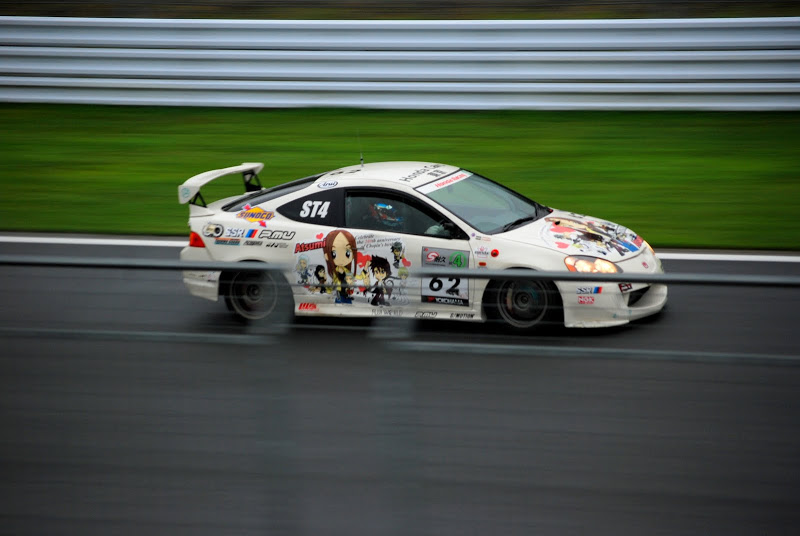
column 262, row 196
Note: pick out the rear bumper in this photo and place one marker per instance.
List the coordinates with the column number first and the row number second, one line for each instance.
column 201, row 283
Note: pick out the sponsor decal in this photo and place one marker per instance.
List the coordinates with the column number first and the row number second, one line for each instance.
column 234, row 233
column 274, row 234
column 462, row 316
column 253, row 242
column 185, row 192
column 441, row 289
column 482, row 252
column 447, row 181
column 276, row 245
column 327, row 184
column 585, row 300
column 432, row 169
column 589, row 290
column 481, row 237
column 445, row 300
column 307, row 307
column 625, row 287
column 213, row 230
column 228, row 241
column 495, row 252
column 302, row 247
column 256, row 214
column 645, row 264
column 251, row 233
column 386, row 311
column 425, row 314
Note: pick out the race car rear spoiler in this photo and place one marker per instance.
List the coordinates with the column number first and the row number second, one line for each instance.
column 189, row 191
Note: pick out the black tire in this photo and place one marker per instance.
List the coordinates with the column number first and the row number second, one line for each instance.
column 524, row 304
column 256, row 295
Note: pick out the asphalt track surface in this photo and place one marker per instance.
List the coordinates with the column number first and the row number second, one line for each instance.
column 119, row 417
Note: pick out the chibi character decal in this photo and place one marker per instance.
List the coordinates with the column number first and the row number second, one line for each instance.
column 322, row 280
column 302, row 271
column 402, row 293
column 340, row 256
column 381, row 270
column 397, row 252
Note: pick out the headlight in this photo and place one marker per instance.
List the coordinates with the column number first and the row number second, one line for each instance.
column 591, row 265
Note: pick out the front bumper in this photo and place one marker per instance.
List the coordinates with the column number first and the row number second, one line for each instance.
column 201, row 283
column 603, row 304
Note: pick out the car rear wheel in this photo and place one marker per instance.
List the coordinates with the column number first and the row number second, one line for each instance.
column 255, row 295
column 523, row 304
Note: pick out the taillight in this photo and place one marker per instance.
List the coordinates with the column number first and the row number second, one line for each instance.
column 195, row 241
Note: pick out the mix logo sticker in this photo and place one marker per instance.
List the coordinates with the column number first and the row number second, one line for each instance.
column 585, row 300
column 425, row 314
column 625, row 287
column 462, row 316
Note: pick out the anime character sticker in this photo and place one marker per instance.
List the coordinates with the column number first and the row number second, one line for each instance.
column 401, row 294
column 322, row 281
column 340, row 256
column 398, row 252
column 592, row 237
column 380, row 269
column 303, row 273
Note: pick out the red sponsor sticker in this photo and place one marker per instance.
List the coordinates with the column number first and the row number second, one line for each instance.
column 585, row 300
column 307, row 307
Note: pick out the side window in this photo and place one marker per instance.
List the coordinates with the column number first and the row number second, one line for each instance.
column 383, row 211
column 321, row 208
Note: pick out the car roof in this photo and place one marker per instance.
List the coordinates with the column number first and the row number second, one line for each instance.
column 411, row 174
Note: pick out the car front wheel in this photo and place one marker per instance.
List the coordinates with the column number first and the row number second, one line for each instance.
column 524, row 304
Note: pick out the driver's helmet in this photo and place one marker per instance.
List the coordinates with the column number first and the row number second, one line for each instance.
column 386, row 215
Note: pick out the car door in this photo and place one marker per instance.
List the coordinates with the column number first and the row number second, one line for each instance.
column 311, row 273
column 396, row 236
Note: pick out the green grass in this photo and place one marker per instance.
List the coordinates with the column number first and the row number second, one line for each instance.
column 727, row 180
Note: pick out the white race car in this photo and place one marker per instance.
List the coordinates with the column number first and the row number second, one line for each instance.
column 356, row 241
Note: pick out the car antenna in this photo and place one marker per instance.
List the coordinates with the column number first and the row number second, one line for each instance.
column 360, row 150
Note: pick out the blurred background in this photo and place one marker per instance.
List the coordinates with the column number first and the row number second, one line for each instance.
column 128, row 406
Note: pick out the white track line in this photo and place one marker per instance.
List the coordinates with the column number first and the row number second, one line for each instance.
column 97, row 241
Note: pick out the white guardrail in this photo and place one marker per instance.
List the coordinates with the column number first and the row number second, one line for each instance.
column 701, row 64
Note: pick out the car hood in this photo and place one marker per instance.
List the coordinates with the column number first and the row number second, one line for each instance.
column 576, row 234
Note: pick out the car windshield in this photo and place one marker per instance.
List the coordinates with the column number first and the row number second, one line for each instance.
column 483, row 204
